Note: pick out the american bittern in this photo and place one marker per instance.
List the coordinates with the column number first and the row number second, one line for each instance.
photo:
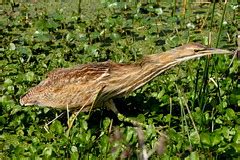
column 89, row 86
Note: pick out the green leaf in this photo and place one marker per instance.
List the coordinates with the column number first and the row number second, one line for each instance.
column 74, row 154
column 141, row 118
column 216, row 139
column 47, row 151
column 30, row 76
column 2, row 120
column 193, row 156
column 236, row 138
column 230, row 114
column 56, row 127
column 106, row 123
column 10, row 89
column 205, row 139
column 130, row 133
column 12, row 46
column 194, row 136
column 235, row 67
column 84, row 124
column 74, row 149
column 7, row 82
column 115, row 36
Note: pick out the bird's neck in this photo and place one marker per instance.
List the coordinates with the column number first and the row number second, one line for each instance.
column 150, row 67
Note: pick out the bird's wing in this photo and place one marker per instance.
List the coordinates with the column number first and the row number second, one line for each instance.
column 81, row 74
column 73, row 87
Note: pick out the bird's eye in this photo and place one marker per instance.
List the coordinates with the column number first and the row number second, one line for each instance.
column 35, row 102
column 200, row 49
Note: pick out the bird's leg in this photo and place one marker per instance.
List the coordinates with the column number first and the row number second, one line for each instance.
column 72, row 118
column 75, row 114
column 110, row 105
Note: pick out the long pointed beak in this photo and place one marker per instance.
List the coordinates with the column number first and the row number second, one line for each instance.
column 214, row 51
column 203, row 52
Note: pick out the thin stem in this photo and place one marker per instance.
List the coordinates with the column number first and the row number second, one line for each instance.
column 213, row 10
column 221, row 24
column 174, row 7
column 170, row 101
column 79, row 7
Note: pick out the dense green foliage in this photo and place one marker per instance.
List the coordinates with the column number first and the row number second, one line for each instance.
column 196, row 104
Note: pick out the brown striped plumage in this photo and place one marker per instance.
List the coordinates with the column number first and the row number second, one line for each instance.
column 95, row 84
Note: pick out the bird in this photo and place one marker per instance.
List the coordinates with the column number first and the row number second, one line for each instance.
column 87, row 87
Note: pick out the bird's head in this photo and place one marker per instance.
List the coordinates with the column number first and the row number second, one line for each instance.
column 194, row 50
column 183, row 53
column 33, row 97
